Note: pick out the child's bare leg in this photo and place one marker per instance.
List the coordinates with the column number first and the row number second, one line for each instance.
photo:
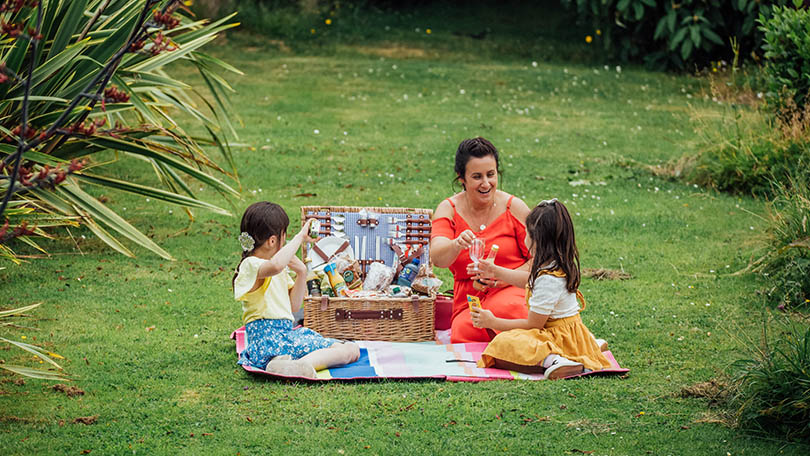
column 336, row 355
column 501, row 364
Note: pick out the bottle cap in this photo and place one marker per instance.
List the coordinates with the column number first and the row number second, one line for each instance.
column 416, row 261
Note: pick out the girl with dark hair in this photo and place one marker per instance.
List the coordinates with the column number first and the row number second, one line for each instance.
column 481, row 211
column 553, row 338
column 270, row 296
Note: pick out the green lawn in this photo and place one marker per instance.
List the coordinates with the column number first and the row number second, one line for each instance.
column 377, row 123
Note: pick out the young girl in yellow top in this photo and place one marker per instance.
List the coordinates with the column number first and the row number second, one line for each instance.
column 553, row 338
column 270, row 296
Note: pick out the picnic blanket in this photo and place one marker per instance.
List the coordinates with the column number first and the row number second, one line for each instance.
column 400, row 360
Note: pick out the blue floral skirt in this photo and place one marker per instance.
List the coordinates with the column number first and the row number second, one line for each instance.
column 267, row 339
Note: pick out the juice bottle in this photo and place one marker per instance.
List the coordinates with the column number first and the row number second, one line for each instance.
column 313, row 283
column 326, row 287
column 493, row 252
column 408, row 273
column 336, row 280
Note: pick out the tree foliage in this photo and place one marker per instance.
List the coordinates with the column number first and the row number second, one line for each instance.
column 83, row 77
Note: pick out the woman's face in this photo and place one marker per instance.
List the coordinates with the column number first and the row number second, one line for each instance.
column 481, row 178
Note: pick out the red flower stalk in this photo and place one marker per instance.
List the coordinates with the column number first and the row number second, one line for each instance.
column 17, row 5
column 22, row 230
column 166, row 20
column 137, row 46
column 60, row 177
column 43, row 173
column 112, row 94
column 75, row 165
column 33, row 34
column 12, row 30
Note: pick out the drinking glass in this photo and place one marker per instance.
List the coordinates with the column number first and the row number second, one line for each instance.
column 477, row 251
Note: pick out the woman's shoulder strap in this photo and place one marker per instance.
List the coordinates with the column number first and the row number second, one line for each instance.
column 509, row 202
column 449, row 200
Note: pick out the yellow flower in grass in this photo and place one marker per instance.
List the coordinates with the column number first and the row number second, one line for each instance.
column 328, row 22
column 598, row 31
column 428, row 31
column 312, row 31
column 588, row 39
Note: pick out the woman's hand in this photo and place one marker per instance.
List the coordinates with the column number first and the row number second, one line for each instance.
column 481, row 318
column 464, row 240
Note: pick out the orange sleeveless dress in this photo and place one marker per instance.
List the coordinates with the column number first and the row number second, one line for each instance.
column 507, row 302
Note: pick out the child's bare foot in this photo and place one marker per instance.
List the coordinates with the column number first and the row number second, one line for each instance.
column 290, row 368
column 603, row 345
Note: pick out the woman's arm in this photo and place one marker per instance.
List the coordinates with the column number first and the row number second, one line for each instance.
column 444, row 251
column 299, row 289
column 483, row 318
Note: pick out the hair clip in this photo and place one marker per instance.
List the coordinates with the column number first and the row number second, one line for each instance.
column 547, row 202
column 246, row 241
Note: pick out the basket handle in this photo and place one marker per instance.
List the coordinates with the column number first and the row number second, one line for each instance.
column 387, row 314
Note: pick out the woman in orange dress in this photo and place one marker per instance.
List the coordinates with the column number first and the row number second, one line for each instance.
column 481, row 211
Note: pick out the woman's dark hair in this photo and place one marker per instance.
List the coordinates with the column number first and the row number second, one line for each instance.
column 261, row 221
column 474, row 148
column 552, row 233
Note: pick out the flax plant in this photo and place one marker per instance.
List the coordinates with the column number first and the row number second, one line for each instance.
column 83, row 77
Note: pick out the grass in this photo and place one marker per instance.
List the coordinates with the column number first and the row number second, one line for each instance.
column 147, row 340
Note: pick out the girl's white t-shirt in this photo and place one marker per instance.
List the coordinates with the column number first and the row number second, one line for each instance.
column 551, row 297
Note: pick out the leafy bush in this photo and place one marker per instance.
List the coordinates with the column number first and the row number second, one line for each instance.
column 772, row 388
column 787, row 261
column 747, row 150
column 81, row 78
column 666, row 34
column 786, row 35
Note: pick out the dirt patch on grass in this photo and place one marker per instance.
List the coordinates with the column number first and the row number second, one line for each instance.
column 189, row 397
column 70, row 391
column 605, row 274
column 589, row 426
column 714, row 390
column 394, row 51
column 86, row 419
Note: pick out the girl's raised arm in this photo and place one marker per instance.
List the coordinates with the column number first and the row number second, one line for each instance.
column 283, row 257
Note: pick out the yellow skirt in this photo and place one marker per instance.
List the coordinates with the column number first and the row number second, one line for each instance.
column 567, row 337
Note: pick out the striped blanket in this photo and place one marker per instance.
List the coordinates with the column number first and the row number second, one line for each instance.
column 399, row 360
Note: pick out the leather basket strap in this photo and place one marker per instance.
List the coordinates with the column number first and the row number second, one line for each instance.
column 386, row 314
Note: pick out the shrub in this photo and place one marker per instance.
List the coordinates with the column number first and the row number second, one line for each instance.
column 747, row 150
column 787, row 261
column 666, row 34
column 786, row 35
column 772, row 388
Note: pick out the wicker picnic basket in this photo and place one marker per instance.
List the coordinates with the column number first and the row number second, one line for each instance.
column 409, row 319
